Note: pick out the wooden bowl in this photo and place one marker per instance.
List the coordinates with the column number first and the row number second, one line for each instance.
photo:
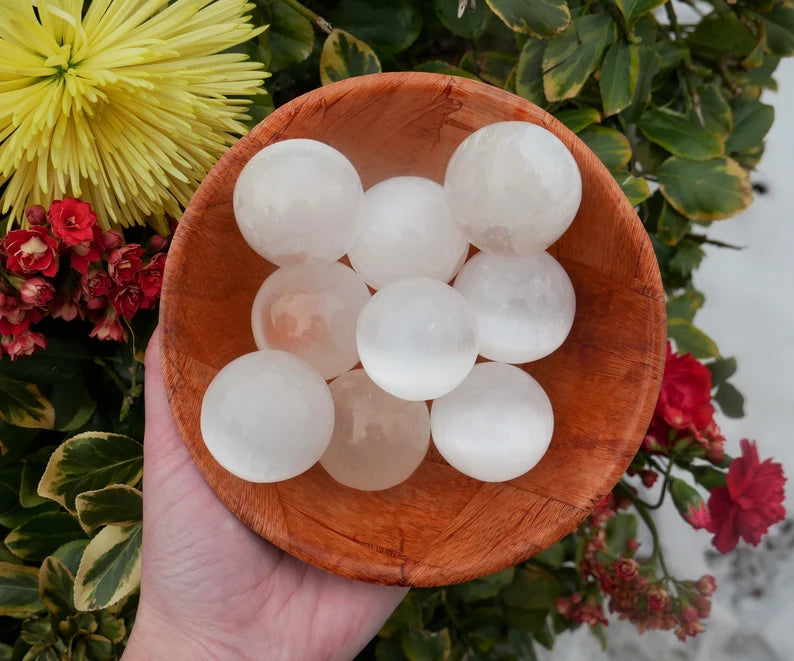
column 439, row 526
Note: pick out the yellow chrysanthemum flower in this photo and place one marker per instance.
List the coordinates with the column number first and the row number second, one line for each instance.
column 125, row 104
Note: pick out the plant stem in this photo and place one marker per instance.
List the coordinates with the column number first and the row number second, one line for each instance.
column 315, row 18
column 642, row 510
column 691, row 97
column 114, row 377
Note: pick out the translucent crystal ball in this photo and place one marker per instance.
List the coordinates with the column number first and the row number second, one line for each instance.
column 417, row 338
column 379, row 440
column 267, row 416
column 496, row 425
column 311, row 310
column 406, row 230
column 524, row 305
column 513, row 188
column 298, row 200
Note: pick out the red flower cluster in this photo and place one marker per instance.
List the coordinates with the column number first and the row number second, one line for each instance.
column 104, row 281
column 684, row 415
column 751, row 501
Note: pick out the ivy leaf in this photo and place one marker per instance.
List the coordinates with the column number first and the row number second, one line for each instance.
column 779, row 25
column 705, row 190
column 23, row 405
column 290, row 36
column 539, row 18
column 529, row 74
column 571, row 57
column 40, row 536
column 344, row 56
column 611, row 146
column 117, row 504
column 437, row 66
column 731, row 401
column 619, row 74
column 19, row 591
column 388, row 26
column 420, row 645
column 636, row 189
column 671, row 225
column 721, row 370
column 579, row 118
column 751, row 122
column 679, row 135
column 471, row 25
column 89, row 461
column 110, row 568
column 633, row 9
column 692, row 340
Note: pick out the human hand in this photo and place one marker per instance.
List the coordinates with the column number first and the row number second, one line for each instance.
column 213, row 589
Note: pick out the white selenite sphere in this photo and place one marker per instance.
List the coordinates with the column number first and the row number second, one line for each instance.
column 406, row 230
column 379, row 440
column 417, row 338
column 311, row 310
column 524, row 305
column 267, row 416
column 496, row 425
column 297, row 201
column 513, row 188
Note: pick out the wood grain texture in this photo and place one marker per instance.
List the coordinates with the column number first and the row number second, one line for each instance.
column 439, row 526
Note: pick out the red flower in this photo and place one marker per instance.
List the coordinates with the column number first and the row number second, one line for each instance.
column 83, row 254
column 685, row 397
column 750, row 503
column 127, row 299
column 648, row 478
column 36, row 291
column 124, row 263
column 706, row 584
column 658, row 599
column 24, row 344
column 151, row 279
column 36, row 215
column 111, row 240
column 30, row 251
column 95, row 282
column 72, row 221
column 16, row 317
column 626, row 569
column 109, row 327
column 66, row 305
column 697, row 516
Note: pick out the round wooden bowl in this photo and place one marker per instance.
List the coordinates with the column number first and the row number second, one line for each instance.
column 439, row 526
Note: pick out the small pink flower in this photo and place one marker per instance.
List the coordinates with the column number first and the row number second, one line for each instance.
column 109, row 327
column 706, row 584
column 36, row 291
column 25, row 343
column 124, row 264
column 72, row 221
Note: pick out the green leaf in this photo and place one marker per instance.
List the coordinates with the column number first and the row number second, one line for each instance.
column 437, row 66
column 521, row 642
column 619, row 74
column 389, row 650
column 634, row 188
column 708, row 476
column 544, row 635
column 420, row 645
column 90, row 461
column 633, row 9
column 110, row 627
column 117, row 504
column 687, row 257
column 705, row 190
column 70, row 554
column 671, row 226
column 571, row 57
column 29, row 480
column 99, row 648
column 40, row 536
column 717, row 36
column 721, row 370
column 110, row 569
column 577, row 119
column 6, row 652
column 344, row 56
column 692, row 340
column 290, row 36
column 495, row 67
column 484, row 588
column 670, row 53
column 649, row 67
column 619, row 530
column 779, row 25
column 529, row 75
column 23, row 405
column 388, row 26
column 678, row 135
column 19, row 591
column 751, row 122
column 554, row 555
column 9, row 501
column 533, row 589
column 611, row 146
column 715, row 111
column 471, row 25
column 408, row 615
column 539, row 18
column 684, row 306
column 56, row 588
column 731, row 401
